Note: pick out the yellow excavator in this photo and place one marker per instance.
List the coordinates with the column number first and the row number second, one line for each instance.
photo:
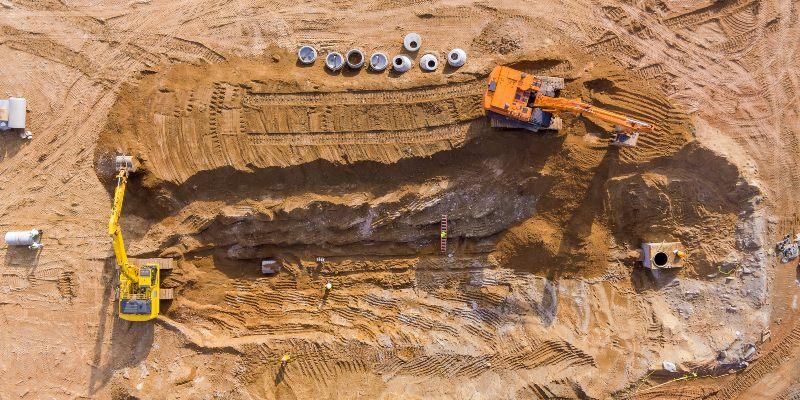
column 139, row 292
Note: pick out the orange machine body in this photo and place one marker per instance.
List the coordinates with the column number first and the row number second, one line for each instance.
column 527, row 101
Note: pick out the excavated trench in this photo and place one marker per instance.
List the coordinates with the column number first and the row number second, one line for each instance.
column 554, row 204
column 239, row 163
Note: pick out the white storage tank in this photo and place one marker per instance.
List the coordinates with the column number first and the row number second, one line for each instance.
column 31, row 238
column 3, row 114
column 16, row 112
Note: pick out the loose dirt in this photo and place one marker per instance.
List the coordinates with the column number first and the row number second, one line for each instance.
column 243, row 154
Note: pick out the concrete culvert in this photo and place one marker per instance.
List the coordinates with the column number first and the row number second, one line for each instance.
column 660, row 259
column 412, row 41
column 456, row 58
column 334, row 61
column 307, row 55
column 401, row 63
column 378, row 61
column 429, row 62
column 355, row 59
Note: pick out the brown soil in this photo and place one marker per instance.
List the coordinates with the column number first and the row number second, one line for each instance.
column 245, row 154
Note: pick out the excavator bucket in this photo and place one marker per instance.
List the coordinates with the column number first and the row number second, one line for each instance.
column 124, row 162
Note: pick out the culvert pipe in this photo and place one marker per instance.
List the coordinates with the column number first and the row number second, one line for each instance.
column 334, row 61
column 456, row 58
column 354, row 59
column 401, row 63
column 429, row 62
column 378, row 61
column 412, row 41
column 307, row 55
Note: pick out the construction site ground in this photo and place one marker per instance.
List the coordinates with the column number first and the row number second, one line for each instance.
column 245, row 154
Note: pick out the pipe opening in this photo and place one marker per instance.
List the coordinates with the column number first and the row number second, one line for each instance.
column 431, row 63
column 413, row 44
column 660, row 259
column 398, row 61
column 355, row 58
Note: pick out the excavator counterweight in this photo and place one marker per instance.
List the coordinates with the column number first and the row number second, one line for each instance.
column 139, row 279
column 515, row 99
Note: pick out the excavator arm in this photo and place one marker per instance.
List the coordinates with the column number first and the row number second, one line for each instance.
column 115, row 231
column 576, row 106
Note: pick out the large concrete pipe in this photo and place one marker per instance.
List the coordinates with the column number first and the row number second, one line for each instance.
column 401, row 63
column 456, row 58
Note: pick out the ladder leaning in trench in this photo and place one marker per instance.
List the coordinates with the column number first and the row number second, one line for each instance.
column 443, row 234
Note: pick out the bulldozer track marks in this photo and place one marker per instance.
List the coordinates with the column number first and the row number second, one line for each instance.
column 779, row 355
column 704, row 14
column 363, row 111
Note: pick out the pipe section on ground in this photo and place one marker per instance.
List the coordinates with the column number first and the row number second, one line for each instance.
column 412, row 41
column 429, row 62
column 401, row 63
column 307, row 55
column 456, row 58
column 378, row 61
column 355, row 59
column 334, row 61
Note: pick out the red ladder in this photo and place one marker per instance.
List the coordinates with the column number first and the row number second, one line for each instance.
column 443, row 234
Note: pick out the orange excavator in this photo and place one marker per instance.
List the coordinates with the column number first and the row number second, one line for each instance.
column 515, row 99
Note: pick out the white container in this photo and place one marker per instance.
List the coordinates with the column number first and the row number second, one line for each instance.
column 401, row 63
column 378, row 61
column 412, row 41
column 16, row 112
column 307, row 55
column 429, row 62
column 29, row 238
column 456, row 58
column 334, row 61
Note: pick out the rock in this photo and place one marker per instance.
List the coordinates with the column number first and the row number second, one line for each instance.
column 746, row 271
column 670, row 366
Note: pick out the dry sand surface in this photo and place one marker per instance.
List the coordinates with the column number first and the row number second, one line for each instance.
column 245, row 154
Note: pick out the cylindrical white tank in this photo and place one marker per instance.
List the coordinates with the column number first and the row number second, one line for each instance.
column 29, row 238
column 307, row 55
column 334, row 61
column 378, row 61
column 456, row 58
column 401, row 63
column 355, row 59
column 428, row 62
column 3, row 113
column 412, row 41
column 16, row 112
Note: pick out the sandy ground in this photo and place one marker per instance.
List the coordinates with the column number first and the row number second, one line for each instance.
column 243, row 154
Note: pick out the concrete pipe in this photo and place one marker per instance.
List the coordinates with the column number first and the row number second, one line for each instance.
column 378, row 61
column 401, row 63
column 456, row 58
column 307, row 55
column 429, row 62
column 334, row 61
column 412, row 41
column 355, row 59
column 31, row 238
